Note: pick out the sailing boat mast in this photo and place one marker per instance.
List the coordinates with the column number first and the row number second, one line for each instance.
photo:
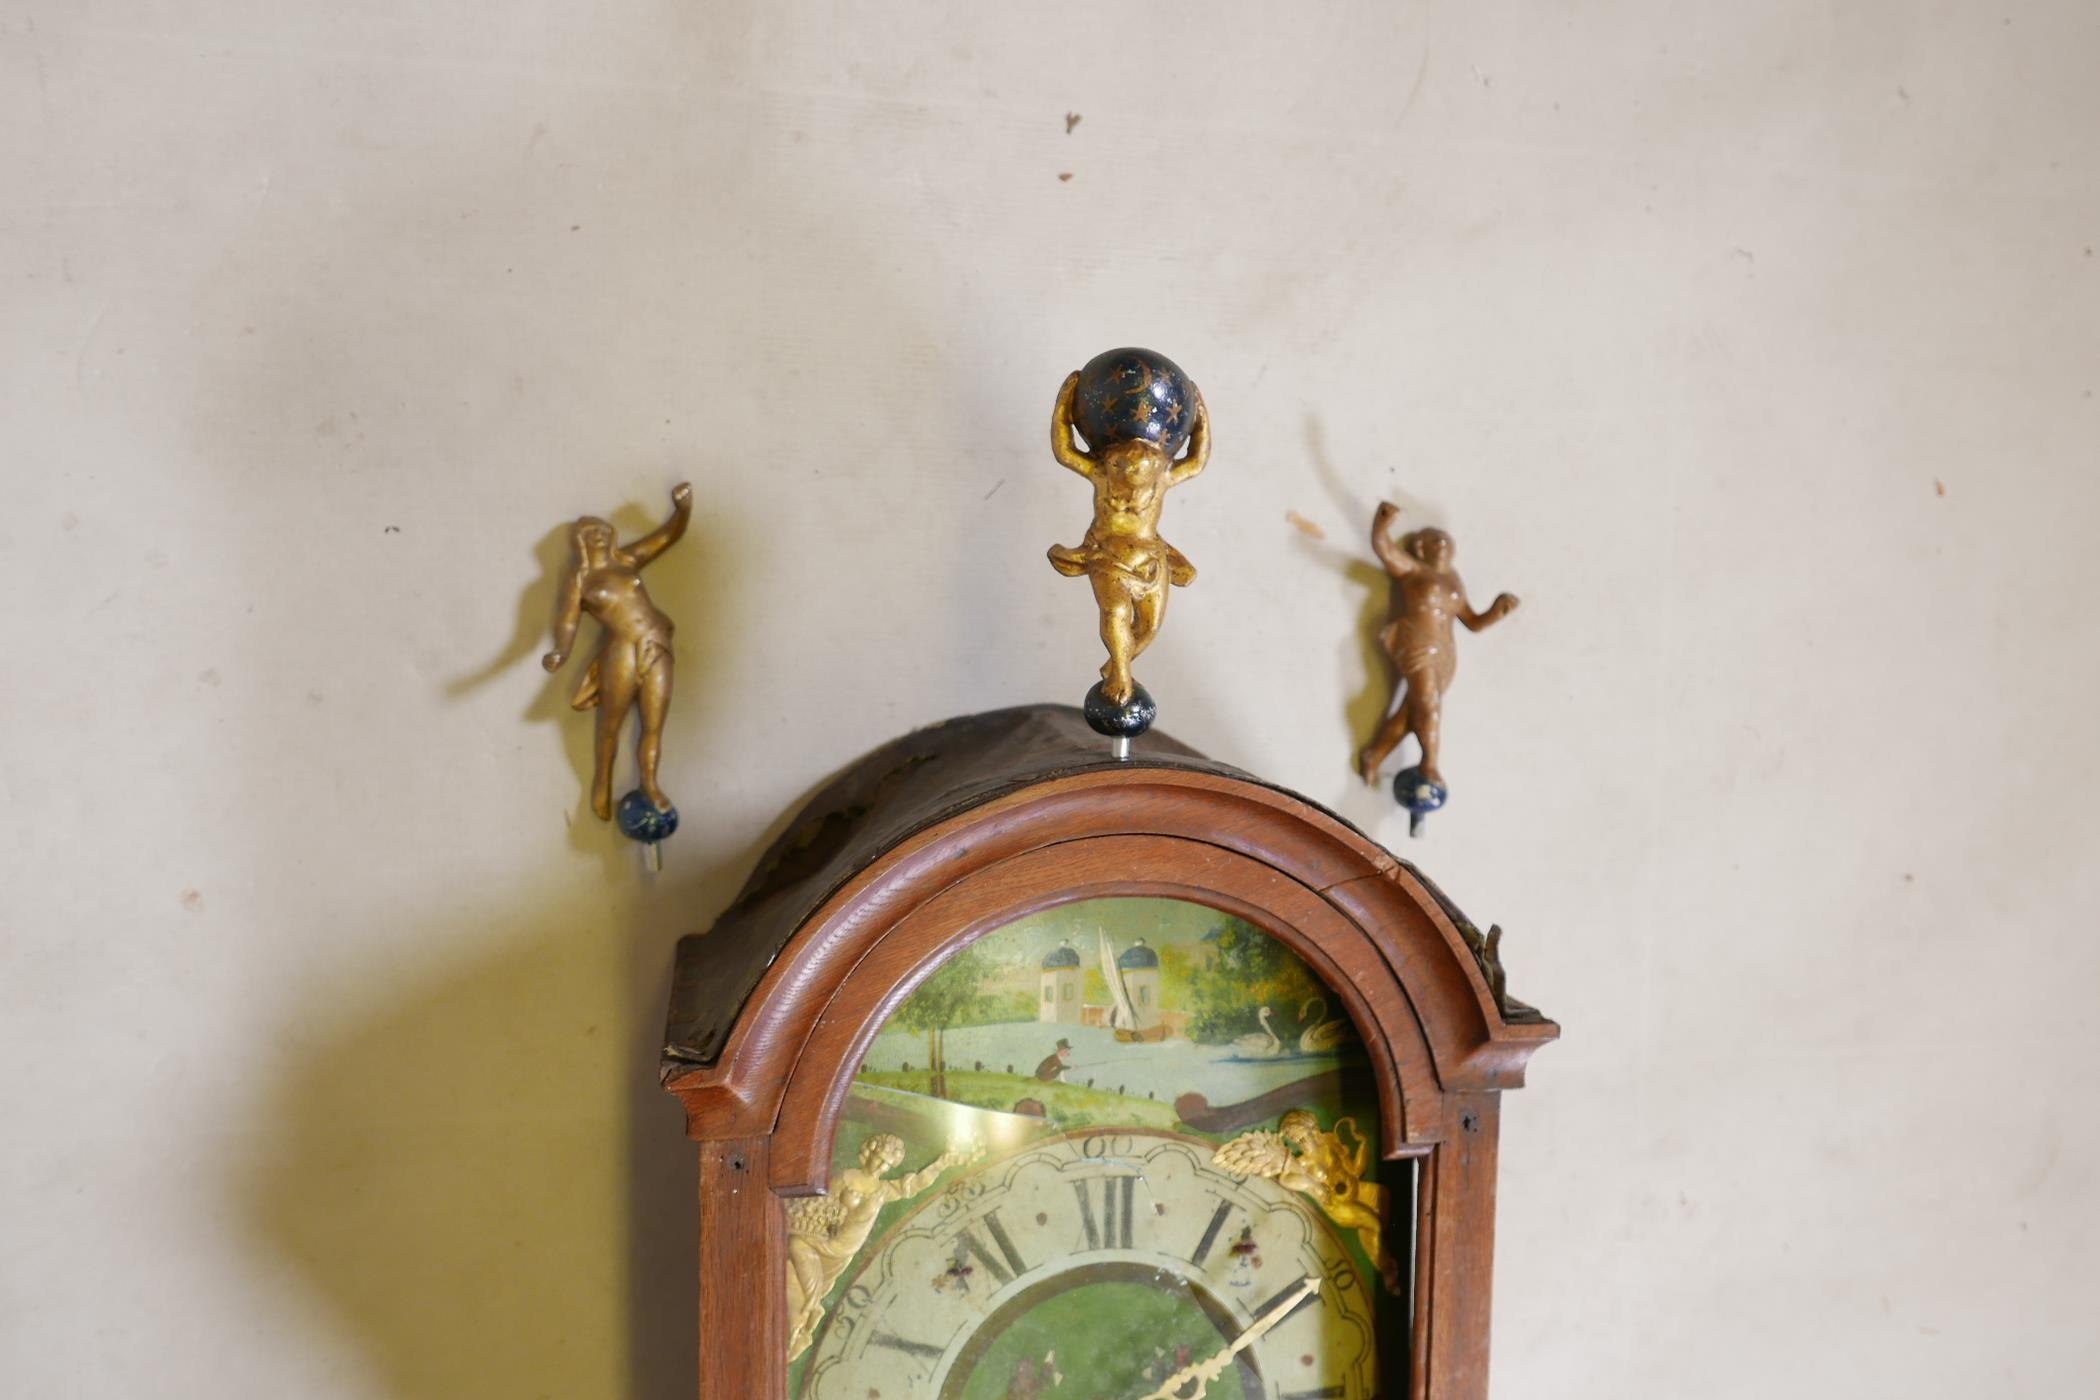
column 1123, row 1016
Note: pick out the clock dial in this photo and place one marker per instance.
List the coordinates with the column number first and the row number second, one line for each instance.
column 1100, row 1262
column 1088, row 1158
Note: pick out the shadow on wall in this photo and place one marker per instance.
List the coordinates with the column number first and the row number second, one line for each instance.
column 485, row 1176
column 476, row 1169
column 448, row 1170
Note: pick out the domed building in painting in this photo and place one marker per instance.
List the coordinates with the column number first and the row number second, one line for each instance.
column 1139, row 968
column 1061, row 986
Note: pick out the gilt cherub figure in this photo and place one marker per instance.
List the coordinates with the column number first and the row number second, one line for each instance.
column 826, row 1232
column 633, row 666
column 1302, row 1156
column 1137, row 411
column 1427, row 597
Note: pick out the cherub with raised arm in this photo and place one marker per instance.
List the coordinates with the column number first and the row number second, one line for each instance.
column 825, row 1232
column 1427, row 598
column 633, row 665
column 1122, row 554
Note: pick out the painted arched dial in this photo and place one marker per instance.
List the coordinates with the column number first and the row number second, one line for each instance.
column 1094, row 1150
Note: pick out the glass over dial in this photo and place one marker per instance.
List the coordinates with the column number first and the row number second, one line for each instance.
column 1119, row 1150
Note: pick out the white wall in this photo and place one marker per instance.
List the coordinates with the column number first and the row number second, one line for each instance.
column 1755, row 345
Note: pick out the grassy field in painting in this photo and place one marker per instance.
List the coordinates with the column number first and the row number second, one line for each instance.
column 1067, row 1105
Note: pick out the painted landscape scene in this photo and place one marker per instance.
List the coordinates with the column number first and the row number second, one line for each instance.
column 1140, row 1013
column 1146, row 1012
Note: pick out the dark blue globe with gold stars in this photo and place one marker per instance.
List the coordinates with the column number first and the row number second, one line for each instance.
column 642, row 820
column 1131, row 394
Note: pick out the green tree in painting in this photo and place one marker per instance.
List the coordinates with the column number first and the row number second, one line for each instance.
column 1177, row 969
column 1005, row 1008
column 953, row 996
column 1247, row 970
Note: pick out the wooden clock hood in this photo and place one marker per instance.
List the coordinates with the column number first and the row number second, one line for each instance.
column 955, row 830
column 926, row 809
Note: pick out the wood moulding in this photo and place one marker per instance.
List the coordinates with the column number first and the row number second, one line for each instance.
column 953, row 831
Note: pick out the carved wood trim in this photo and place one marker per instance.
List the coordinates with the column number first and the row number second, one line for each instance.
column 1025, row 831
column 1382, row 907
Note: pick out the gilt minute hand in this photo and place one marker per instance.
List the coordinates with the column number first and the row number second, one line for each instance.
column 1204, row 1372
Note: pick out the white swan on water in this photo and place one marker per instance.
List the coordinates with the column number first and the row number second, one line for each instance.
column 1321, row 1036
column 1261, row 1044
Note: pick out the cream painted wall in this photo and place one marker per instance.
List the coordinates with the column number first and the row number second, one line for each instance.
column 1755, row 345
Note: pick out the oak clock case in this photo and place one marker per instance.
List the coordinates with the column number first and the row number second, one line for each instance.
column 1018, row 1070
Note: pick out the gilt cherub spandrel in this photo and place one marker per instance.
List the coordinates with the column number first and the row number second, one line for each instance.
column 826, row 1232
column 633, row 667
column 1302, row 1156
column 1137, row 410
column 1427, row 597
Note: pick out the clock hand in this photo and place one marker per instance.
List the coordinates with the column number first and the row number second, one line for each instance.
column 1204, row 1372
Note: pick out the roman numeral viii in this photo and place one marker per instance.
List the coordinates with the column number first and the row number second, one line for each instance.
column 1111, row 1228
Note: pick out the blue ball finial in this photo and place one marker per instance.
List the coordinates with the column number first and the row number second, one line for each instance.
column 1130, row 394
column 644, row 821
column 1419, row 795
column 1125, row 721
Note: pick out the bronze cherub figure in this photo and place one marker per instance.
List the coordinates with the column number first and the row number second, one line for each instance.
column 633, row 666
column 826, row 1232
column 1427, row 597
column 1137, row 411
column 1302, row 1156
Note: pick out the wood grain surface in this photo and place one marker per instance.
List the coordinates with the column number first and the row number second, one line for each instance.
column 944, row 836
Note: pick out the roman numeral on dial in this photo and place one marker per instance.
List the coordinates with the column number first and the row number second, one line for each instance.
column 1009, row 1262
column 924, row 1351
column 1276, row 1300
column 1111, row 1229
column 1210, row 1233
